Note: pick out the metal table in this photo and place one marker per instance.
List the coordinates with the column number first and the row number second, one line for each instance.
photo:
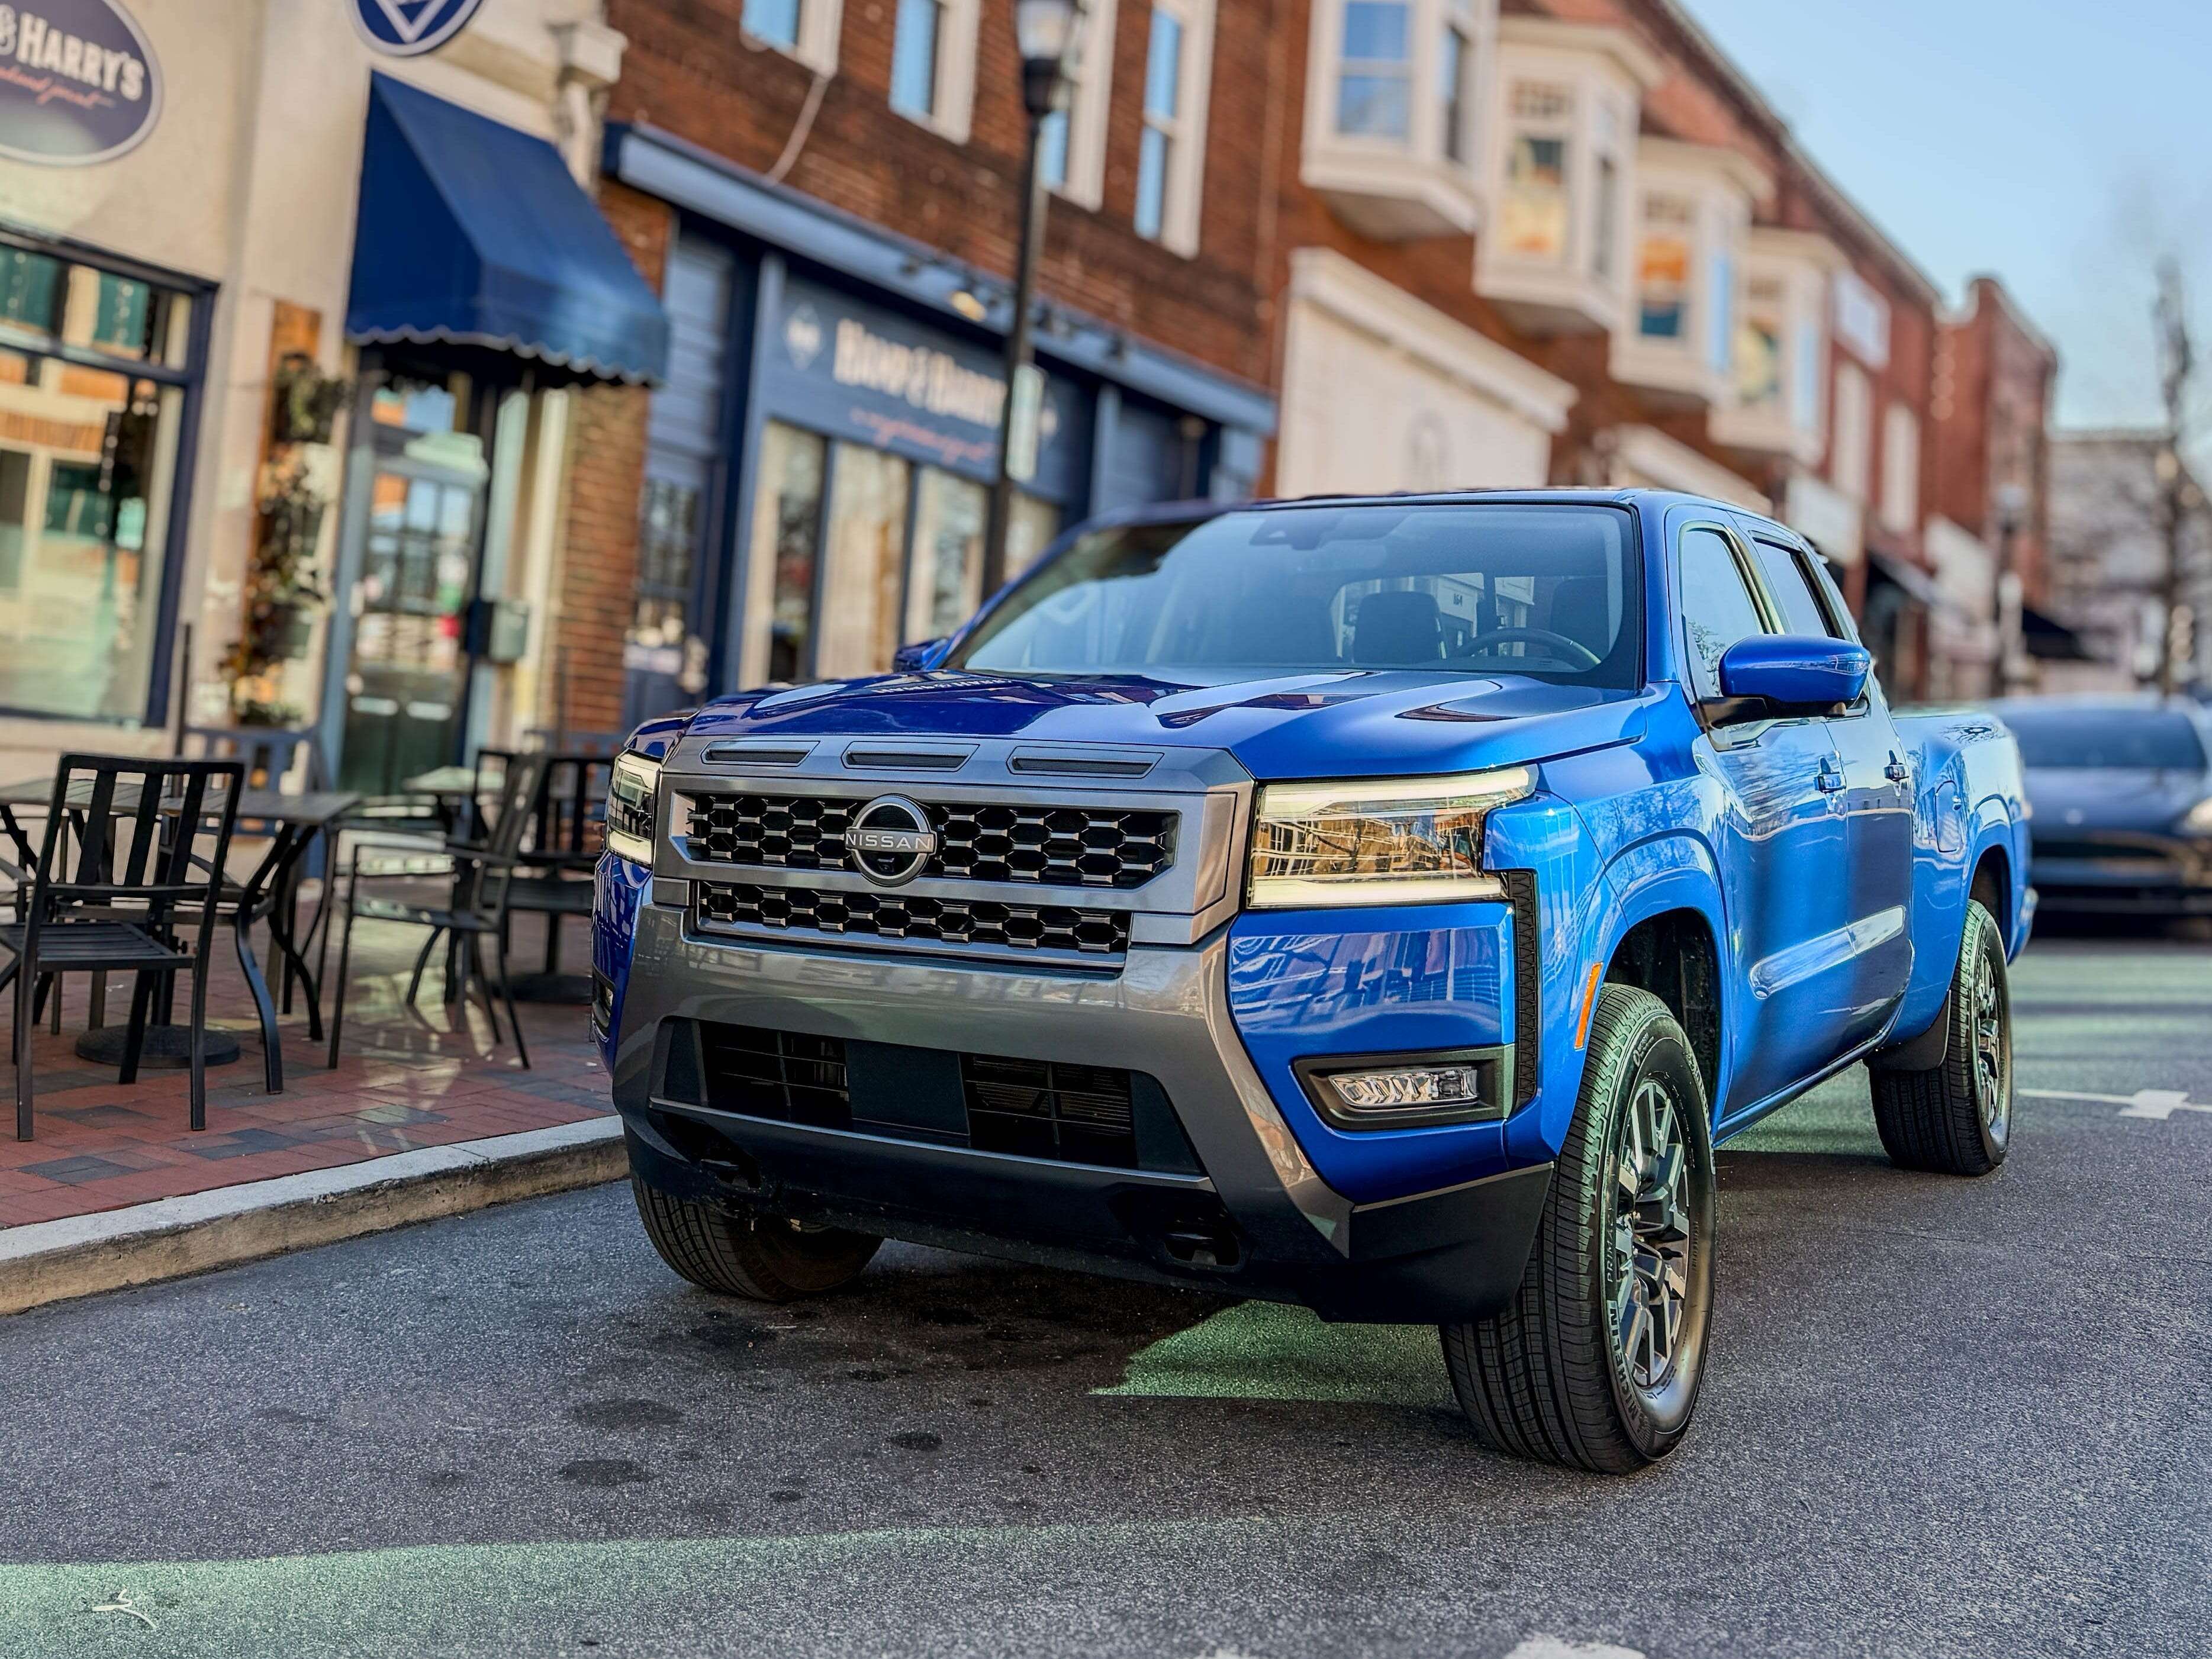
column 290, row 823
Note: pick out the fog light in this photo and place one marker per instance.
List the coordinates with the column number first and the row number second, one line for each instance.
column 1360, row 1093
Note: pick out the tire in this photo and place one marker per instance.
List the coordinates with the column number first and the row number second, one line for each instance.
column 760, row 1258
column 1956, row 1118
column 1571, row 1372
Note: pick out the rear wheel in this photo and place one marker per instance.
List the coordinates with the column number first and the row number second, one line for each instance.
column 1598, row 1360
column 764, row 1258
column 1956, row 1118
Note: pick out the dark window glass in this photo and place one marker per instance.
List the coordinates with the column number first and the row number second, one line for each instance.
column 2140, row 739
column 1801, row 612
column 1547, row 591
column 1717, row 608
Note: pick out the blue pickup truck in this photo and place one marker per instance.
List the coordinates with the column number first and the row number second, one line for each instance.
column 1380, row 904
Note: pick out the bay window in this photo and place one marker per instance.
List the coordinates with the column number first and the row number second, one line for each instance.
column 1694, row 204
column 1395, row 107
column 1565, row 176
column 1777, row 385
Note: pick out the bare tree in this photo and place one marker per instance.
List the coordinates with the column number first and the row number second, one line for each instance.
column 2178, row 496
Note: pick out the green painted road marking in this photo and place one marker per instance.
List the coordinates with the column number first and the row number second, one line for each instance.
column 1261, row 1351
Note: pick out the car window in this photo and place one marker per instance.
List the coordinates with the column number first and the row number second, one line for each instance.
column 1547, row 591
column 1717, row 608
column 1802, row 611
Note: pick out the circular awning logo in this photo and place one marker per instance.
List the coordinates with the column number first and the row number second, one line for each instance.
column 890, row 841
column 407, row 28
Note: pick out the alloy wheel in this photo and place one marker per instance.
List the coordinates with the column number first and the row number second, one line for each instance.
column 1648, row 1267
column 1990, row 1060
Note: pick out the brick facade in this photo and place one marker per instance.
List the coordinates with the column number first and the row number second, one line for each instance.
column 688, row 72
column 597, row 579
column 1994, row 380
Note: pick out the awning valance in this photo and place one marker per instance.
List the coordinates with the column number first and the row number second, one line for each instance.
column 472, row 233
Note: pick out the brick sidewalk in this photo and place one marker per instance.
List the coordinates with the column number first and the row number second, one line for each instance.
column 407, row 1079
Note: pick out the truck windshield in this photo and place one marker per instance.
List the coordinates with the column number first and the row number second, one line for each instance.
column 2133, row 739
column 1551, row 591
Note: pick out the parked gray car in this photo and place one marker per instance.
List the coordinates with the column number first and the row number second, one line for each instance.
column 2122, row 793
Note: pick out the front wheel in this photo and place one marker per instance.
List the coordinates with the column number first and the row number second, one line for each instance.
column 760, row 1258
column 1956, row 1118
column 1597, row 1361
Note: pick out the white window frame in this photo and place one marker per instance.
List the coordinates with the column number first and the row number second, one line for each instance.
column 820, row 24
column 1090, row 95
column 952, row 99
column 1601, row 74
column 1400, row 188
column 1900, row 468
column 1186, row 130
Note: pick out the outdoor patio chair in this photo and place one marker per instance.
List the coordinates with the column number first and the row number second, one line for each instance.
column 478, row 879
column 151, row 836
column 567, row 818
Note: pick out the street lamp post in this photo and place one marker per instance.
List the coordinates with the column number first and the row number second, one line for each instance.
column 2012, row 504
column 1047, row 34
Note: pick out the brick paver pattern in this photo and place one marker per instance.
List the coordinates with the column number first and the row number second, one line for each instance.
column 406, row 1078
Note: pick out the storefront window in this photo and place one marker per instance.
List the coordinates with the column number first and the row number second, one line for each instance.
column 949, row 519
column 88, row 466
column 1029, row 530
column 786, row 530
column 864, row 576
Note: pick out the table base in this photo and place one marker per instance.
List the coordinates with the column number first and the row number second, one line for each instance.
column 165, row 1047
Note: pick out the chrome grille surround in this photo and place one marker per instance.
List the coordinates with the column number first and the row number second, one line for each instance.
column 1037, row 842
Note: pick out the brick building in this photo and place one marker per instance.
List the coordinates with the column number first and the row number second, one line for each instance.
column 826, row 195
column 1458, row 242
column 1995, row 377
column 1566, row 241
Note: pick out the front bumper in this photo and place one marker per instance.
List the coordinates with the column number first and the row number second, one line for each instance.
column 1253, row 1218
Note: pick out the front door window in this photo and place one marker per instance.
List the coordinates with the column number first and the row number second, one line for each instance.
column 406, row 684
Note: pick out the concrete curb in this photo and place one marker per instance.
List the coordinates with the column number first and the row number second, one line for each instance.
column 83, row 1255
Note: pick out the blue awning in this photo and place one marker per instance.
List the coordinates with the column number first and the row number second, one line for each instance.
column 472, row 233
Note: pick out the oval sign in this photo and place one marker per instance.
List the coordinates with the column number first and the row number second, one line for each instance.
column 407, row 28
column 78, row 83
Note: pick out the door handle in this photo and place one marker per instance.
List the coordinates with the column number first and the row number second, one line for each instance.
column 1897, row 771
column 1831, row 778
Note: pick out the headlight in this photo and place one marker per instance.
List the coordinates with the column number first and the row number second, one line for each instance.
column 1410, row 841
column 2199, row 819
column 633, row 797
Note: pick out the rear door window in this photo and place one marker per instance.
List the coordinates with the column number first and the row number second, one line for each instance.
column 1717, row 607
column 1791, row 583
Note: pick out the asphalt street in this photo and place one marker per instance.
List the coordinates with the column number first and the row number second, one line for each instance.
column 1945, row 1417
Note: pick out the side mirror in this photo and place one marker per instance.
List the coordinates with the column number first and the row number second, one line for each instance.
column 920, row 657
column 1796, row 670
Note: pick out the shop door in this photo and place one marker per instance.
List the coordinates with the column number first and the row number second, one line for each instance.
column 407, row 685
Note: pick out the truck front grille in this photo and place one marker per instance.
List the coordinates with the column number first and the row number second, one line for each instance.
column 1044, row 845
column 1042, row 1109
column 910, row 916
column 988, row 1103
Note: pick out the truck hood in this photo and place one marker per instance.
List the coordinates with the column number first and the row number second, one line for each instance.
column 1303, row 726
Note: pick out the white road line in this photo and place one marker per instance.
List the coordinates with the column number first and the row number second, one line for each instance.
column 2157, row 1103
column 1551, row 1647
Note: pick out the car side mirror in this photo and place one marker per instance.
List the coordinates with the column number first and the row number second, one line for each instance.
column 920, row 657
column 1795, row 671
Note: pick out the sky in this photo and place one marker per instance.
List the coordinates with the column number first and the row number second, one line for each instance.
column 2061, row 147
